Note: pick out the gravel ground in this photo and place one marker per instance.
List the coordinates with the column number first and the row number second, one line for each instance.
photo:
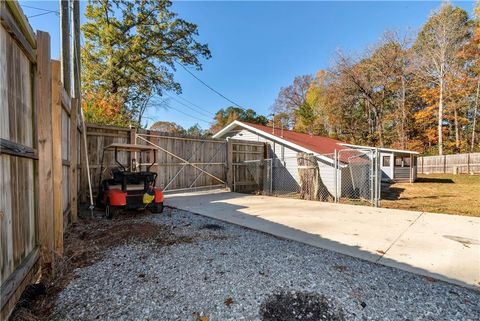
column 227, row 272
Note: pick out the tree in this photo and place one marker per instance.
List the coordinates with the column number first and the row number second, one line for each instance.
column 167, row 127
column 131, row 48
column 102, row 109
column 437, row 45
column 225, row 116
column 471, row 56
column 197, row 131
column 292, row 97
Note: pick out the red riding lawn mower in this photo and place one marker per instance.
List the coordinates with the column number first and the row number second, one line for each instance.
column 127, row 188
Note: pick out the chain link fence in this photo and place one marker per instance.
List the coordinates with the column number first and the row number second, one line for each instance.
column 345, row 176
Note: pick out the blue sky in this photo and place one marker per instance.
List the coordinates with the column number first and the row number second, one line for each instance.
column 258, row 47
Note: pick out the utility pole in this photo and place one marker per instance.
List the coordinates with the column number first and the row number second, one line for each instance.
column 65, row 65
column 76, row 49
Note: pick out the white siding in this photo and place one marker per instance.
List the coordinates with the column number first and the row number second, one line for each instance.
column 327, row 174
column 286, row 170
column 387, row 171
column 245, row 134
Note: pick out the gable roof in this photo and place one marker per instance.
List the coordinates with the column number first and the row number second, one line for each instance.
column 322, row 147
column 305, row 142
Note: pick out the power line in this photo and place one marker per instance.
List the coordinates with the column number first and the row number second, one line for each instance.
column 188, row 115
column 42, row 14
column 208, row 86
column 189, row 102
column 195, row 110
column 37, row 8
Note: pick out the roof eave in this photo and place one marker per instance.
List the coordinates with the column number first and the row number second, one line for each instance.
column 381, row 149
column 235, row 123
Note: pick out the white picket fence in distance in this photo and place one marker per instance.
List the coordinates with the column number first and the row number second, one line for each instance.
column 450, row 164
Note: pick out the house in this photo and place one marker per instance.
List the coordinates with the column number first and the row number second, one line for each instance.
column 351, row 176
column 397, row 165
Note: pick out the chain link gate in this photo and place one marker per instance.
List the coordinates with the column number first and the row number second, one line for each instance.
column 346, row 176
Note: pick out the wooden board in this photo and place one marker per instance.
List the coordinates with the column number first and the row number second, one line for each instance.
column 57, row 170
column 45, row 148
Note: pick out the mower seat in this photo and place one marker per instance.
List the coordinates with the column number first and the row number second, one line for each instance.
column 130, row 187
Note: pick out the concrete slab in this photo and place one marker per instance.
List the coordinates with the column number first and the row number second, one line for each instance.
column 445, row 247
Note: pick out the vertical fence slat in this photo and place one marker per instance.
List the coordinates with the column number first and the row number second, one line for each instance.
column 45, row 170
column 57, row 157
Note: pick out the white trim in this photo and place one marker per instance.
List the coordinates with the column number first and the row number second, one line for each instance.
column 260, row 132
column 381, row 149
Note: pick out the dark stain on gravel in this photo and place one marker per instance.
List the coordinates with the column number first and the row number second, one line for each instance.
column 213, row 227
column 293, row 306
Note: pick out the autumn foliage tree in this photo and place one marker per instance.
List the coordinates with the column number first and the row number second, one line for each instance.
column 132, row 48
column 417, row 92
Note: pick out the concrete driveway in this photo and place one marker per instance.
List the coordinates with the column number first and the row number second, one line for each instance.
column 445, row 247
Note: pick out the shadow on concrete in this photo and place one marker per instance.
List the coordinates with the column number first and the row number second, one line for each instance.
column 216, row 206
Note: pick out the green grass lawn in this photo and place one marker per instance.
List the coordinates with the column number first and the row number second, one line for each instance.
column 437, row 193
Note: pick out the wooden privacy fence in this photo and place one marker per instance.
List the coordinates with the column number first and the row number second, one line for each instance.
column 38, row 155
column 182, row 163
column 452, row 164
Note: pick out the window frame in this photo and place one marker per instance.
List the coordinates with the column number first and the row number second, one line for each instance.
column 389, row 160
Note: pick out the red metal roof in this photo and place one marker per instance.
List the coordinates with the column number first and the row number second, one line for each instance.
column 317, row 144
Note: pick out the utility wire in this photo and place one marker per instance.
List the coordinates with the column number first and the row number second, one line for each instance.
column 208, row 86
column 189, row 102
column 42, row 14
column 188, row 115
column 37, row 8
column 195, row 110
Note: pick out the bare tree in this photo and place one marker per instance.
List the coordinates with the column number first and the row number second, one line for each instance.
column 475, row 111
column 437, row 45
column 291, row 98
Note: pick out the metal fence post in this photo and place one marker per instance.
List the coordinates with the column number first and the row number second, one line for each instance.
column 378, row 178
column 335, row 159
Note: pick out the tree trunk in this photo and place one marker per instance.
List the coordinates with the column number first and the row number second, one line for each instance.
column 475, row 110
column 403, row 137
column 440, row 119
column 311, row 185
column 457, row 130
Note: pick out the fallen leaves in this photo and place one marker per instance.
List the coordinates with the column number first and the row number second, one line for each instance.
column 228, row 301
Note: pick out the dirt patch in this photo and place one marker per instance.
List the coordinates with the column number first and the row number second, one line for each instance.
column 84, row 244
column 293, row 306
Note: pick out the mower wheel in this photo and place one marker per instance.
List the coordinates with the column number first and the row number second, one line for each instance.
column 156, row 208
column 110, row 211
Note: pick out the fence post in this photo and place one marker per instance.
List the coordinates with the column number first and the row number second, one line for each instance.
column 444, row 164
column 133, row 140
column 73, row 159
column 468, row 163
column 44, row 119
column 335, row 159
column 230, row 164
column 57, row 157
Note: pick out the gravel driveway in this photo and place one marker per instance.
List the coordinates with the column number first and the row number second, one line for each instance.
column 226, row 272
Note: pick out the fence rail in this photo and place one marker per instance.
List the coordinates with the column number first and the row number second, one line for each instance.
column 451, row 164
column 182, row 163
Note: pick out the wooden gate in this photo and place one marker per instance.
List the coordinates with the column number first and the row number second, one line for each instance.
column 185, row 163
column 246, row 170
